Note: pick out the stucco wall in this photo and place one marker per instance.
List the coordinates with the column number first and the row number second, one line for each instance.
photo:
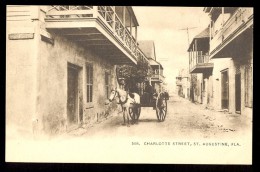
column 231, row 65
column 220, row 65
column 197, row 94
column 21, row 59
column 37, row 80
column 52, row 78
column 241, row 62
column 209, row 90
column 52, row 91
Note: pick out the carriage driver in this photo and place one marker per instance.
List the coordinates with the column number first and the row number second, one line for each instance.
column 150, row 90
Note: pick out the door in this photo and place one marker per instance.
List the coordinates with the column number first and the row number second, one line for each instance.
column 238, row 92
column 224, row 90
column 72, row 95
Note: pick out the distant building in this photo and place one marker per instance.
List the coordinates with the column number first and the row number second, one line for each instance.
column 148, row 47
column 183, row 84
column 157, row 78
column 200, row 66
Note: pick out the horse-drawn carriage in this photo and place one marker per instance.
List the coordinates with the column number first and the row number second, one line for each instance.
column 132, row 102
column 156, row 100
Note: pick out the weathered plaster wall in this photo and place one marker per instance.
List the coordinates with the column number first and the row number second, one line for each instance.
column 198, row 94
column 21, row 59
column 219, row 65
column 52, row 77
column 241, row 62
column 209, row 90
column 52, row 91
column 37, row 79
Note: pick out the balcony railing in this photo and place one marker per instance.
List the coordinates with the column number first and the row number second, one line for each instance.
column 157, row 77
column 199, row 62
column 198, row 58
column 231, row 27
column 105, row 14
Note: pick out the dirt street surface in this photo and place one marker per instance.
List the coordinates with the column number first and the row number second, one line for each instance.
column 184, row 120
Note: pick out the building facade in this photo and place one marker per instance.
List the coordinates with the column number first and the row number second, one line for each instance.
column 231, row 49
column 223, row 55
column 200, row 66
column 157, row 78
column 61, row 63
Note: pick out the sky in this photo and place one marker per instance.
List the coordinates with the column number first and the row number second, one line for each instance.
column 163, row 25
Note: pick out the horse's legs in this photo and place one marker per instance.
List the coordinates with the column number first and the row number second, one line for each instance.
column 134, row 113
column 127, row 116
column 122, row 108
column 124, row 114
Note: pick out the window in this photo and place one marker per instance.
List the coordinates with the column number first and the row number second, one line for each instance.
column 107, row 84
column 89, row 74
column 248, row 85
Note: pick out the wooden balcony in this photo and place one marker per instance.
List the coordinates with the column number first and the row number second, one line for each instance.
column 199, row 63
column 98, row 28
column 240, row 20
column 157, row 78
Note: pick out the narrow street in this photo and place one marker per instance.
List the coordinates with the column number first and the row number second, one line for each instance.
column 183, row 137
column 184, row 120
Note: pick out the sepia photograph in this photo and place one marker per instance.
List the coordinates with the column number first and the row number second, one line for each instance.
column 129, row 84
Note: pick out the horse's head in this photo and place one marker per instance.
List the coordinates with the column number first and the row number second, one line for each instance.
column 113, row 94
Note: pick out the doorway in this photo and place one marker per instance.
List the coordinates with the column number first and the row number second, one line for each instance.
column 238, row 92
column 224, row 90
column 74, row 102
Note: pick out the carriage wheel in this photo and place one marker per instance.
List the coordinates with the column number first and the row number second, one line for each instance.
column 161, row 109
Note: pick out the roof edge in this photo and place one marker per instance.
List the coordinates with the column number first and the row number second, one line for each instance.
column 130, row 8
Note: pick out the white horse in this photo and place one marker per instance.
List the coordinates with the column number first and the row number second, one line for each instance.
column 126, row 100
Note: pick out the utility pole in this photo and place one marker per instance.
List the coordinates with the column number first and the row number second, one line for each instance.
column 187, row 29
column 191, row 77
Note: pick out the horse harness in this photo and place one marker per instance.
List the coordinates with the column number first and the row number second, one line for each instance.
column 126, row 97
